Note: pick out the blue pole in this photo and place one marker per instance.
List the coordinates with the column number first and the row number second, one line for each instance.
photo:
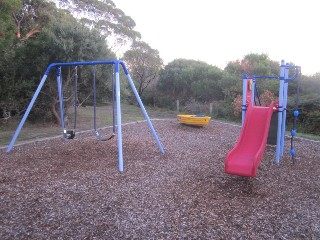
column 280, row 109
column 75, row 79
column 35, row 95
column 284, row 113
column 142, row 108
column 94, row 89
column 120, row 154
column 253, row 92
column 269, row 77
column 60, row 95
column 244, row 97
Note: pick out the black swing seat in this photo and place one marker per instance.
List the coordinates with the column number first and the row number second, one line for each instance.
column 100, row 138
column 69, row 134
column 113, row 134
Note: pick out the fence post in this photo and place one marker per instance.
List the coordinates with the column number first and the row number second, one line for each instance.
column 210, row 108
column 178, row 105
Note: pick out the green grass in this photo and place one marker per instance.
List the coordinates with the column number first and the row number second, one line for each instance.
column 85, row 121
column 307, row 136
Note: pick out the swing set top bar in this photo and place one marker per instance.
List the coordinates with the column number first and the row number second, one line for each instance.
column 116, row 62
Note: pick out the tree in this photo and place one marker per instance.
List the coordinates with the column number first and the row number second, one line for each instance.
column 67, row 41
column 7, row 25
column 7, row 37
column 309, row 103
column 186, row 79
column 61, row 39
column 231, row 86
column 253, row 64
column 310, row 84
column 25, row 16
column 144, row 64
column 205, row 85
column 104, row 16
column 175, row 79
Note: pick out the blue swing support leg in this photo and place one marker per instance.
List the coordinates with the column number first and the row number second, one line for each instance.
column 118, row 105
column 142, row 108
column 24, row 118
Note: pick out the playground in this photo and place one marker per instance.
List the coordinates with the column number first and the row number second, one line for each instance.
column 56, row 189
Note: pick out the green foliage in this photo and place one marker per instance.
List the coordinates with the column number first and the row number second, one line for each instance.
column 253, row 64
column 312, row 124
column 309, row 119
column 207, row 88
column 237, row 106
column 309, row 103
column 104, row 16
column 144, row 64
column 185, row 79
column 271, row 85
column 61, row 39
column 231, row 86
column 224, row 110
column 193, row 106
column 7, row 24
column 310, row 84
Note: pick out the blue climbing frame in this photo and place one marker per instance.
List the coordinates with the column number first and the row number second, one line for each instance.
column 116, row 64
column 284, row 79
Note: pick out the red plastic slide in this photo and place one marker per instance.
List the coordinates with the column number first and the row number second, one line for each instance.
column 245, row 157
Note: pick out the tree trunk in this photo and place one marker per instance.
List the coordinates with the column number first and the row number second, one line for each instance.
column 55, row 112
column 17, row 21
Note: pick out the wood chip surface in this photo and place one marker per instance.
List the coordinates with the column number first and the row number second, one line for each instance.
column 56, row 189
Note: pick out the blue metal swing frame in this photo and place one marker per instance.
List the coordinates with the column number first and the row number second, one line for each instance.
column 116, row 64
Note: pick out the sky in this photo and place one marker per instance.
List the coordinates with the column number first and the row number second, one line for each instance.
column 219, row 31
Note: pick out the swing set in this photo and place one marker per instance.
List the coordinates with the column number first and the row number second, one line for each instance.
column 116, row 110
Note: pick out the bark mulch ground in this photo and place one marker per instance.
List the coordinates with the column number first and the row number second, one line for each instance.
column 72, row 190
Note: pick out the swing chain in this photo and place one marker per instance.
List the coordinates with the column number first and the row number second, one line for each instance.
column 99, row 137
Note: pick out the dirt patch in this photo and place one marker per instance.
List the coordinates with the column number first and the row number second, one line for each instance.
column 73, row 190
